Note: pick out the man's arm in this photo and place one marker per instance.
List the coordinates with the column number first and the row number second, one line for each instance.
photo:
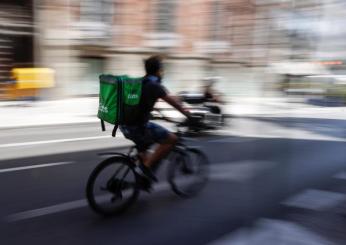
column 176, row 103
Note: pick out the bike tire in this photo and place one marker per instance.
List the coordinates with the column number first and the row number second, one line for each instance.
column 90, row 188
column 177, row 165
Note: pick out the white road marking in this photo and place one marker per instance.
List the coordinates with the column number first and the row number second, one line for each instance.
column 341, row 175
column 69, row 206
column 228, row 171
column 289, row 134
column 239, row 171
column 273, row 232
column 5, row 170
column 315, row 199
column 53, row 141
column 47, row 210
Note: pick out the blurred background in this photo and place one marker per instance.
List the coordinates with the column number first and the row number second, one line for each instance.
column 258, row 47
column 278, row 165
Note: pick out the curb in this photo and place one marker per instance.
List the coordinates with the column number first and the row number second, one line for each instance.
column 46, row 125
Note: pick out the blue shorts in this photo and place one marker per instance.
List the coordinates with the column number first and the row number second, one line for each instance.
column 145, row 135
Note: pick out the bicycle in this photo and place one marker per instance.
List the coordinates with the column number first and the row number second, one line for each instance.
column 187, row 174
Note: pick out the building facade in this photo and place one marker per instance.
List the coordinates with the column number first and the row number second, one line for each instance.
column 234, row 39
column 16, row 36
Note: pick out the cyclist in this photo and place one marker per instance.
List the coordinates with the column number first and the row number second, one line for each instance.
column 144, row 132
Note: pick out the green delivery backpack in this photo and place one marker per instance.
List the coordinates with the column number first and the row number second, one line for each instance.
column 119, row 100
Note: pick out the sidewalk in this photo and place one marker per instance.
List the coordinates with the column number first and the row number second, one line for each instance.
column 284, row 107
column 84, row 110
column 66, row 111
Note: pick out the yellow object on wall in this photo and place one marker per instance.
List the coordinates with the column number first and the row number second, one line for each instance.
column 33, row 78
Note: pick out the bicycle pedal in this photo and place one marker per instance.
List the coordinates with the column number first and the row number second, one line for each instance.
column 145, row 174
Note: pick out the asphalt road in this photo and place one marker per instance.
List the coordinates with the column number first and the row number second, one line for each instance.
column 43, row 173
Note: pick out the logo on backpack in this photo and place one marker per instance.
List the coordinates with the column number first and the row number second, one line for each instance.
column 132, row 96
column 103, row 108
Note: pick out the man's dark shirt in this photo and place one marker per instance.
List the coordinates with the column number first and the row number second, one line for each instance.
column 152, row 90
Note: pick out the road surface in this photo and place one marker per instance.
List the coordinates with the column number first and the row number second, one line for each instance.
column 258, row 167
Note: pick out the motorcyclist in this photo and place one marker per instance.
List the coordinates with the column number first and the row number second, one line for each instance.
column 211, row 97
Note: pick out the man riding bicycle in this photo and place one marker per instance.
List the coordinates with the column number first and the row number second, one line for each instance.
column 144, row 132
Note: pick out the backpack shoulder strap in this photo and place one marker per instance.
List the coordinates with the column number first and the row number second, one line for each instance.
column 114, row 131
column 103, row 127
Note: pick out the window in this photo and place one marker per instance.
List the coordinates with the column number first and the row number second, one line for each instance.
column 166, row 15
column 216, row 20
column 100, row 11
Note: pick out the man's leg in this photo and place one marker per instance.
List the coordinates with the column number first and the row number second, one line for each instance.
column 161, row 151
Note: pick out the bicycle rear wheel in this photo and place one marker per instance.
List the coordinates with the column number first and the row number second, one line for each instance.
column 188, row 172
column 112, row 186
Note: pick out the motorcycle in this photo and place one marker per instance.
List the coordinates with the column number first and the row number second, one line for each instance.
column 205, row 115
column 209, row 113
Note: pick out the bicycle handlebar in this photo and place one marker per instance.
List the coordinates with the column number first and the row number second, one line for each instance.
column 163, row 117
column 191, row 121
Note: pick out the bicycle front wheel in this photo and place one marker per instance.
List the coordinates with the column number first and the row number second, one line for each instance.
column 188, row 172
column 112, row 186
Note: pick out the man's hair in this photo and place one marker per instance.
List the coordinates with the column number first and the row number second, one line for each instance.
column 153, row 64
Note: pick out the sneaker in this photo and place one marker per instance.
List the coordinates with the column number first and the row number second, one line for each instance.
column 145, row 184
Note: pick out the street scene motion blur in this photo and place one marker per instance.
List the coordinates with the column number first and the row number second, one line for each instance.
column 265, row 78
